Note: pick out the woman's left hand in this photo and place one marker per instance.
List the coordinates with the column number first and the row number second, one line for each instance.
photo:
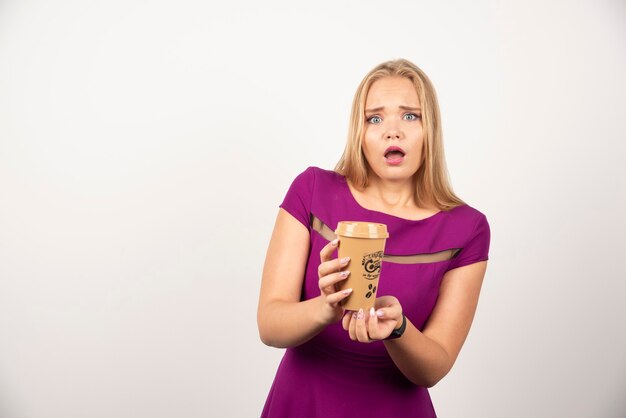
column 375, row 324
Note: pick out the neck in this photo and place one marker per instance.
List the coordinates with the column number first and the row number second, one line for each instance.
column 392, row 194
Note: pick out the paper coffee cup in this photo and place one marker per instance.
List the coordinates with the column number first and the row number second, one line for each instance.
column 364, row 243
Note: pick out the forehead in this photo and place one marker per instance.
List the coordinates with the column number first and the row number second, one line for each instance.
column 392, row 91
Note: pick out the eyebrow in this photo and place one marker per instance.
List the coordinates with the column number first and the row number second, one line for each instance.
column 377, row 109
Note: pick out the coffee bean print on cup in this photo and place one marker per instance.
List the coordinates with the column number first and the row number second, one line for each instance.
column 371, row 291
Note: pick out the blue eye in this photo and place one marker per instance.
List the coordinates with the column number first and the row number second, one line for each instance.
column 374, row 119
column 413, row 116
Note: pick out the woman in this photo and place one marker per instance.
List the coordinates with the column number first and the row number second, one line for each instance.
column 377, row 363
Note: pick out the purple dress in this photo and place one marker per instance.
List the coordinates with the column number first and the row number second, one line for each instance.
column 332, row 376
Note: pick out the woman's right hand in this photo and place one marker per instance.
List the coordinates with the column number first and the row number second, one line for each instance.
column 330, row 274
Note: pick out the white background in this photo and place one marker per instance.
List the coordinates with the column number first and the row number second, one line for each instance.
column 145, row 147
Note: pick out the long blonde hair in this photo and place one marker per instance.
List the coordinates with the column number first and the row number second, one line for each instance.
column 431, row 179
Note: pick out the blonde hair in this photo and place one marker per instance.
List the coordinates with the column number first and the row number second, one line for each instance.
column 431, row 179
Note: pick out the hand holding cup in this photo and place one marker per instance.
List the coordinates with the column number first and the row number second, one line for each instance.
column 375, row 324
column 330, row 274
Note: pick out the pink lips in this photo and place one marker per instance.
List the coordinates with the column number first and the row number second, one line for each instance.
column 396, row 158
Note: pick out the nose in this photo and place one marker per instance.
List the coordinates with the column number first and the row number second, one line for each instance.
column 392, row 130
column 392, row 134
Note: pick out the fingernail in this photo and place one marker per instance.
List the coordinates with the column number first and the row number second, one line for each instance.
column 380, row 314
column 372, row 313
column 354, row 315
column 344, row 273
column 334, row 242
column 344, row 261
column 347, row 291
column 360, row 315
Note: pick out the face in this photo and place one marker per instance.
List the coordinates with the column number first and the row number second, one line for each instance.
column 393, row 138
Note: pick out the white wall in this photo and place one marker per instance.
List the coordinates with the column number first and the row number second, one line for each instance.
column 145, row 147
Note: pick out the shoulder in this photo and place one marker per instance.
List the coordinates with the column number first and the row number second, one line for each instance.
column 466, row 220
column 313, row 176
column 315, row 180
column 466, row 213
column 471, row 234
column 322, row 173
column 320, row 192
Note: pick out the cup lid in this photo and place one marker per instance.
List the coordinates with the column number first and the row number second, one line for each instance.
column 358, row 229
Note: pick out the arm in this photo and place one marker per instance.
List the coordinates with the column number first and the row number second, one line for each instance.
column 426, row 357
column 283, row 320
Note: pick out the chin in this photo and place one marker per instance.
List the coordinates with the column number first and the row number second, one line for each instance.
column 395, row 173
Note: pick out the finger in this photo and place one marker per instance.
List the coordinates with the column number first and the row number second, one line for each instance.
column 391, row 312
column 345, row 322
column 326, row 283
column 361, row 328
column 327, row 252
column 372, row 326
column 352, row 329
column 332, row 266
column 385, row 301
column 338, row 296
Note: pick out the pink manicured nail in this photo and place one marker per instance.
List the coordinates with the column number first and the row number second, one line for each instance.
column 347, row 291
column 380, row 314
column 334, row 242
column 344, row 273
column 353, row 315
column 372, row 313
column 360, row 315
column 345, row 260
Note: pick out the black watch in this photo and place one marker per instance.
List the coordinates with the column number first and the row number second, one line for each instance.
column 397, row 333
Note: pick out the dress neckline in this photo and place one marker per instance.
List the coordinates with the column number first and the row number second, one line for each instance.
column 357, row 204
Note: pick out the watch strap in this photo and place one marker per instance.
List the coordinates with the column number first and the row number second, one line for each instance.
column 397, row 333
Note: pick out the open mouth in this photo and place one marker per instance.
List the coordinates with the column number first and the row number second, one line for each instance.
column 394, row 155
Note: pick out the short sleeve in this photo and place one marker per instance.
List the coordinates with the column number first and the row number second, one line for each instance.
column 299, row 196
column 477, row 246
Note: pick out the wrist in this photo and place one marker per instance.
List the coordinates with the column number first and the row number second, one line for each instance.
column 399, row 330
column 321, row 317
